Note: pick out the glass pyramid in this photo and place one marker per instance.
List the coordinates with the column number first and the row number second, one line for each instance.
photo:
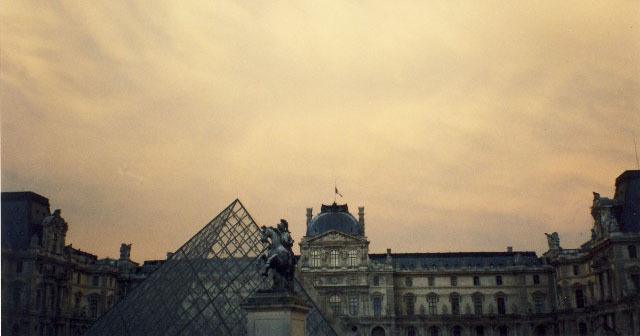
column 199, row 289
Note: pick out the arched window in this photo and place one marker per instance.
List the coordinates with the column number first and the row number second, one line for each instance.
column 334, row 304
column 377, row 331
column 633, row 253
column 315, row 258
column 333, row 258
column 410, row 303
column 353, row 258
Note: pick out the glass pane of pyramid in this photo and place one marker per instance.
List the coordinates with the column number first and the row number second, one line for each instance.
column 199, row 289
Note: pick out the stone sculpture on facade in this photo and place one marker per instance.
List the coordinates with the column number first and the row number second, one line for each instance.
column 553, row 240
column 279, row 256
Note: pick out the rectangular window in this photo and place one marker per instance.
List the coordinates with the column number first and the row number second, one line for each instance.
column 95, row 281
column 454, row 281
column 501, row 306
column 19, row 267
column 477, row 305
column 315, row 258
column 455, row 304
column 536, row 279
column 377, row 306
column 476, row 281
column 432, row 300
column 576, row 269
column 579, row 298
column 333, row 258
column 499, row 280
column 353, row 258
column 432, row 281
column 353, row 306
column 538, row 304
column 78, row 278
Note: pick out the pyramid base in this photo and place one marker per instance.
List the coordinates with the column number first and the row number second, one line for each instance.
column 275, row 313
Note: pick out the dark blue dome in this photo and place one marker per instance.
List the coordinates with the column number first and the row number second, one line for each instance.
column 334, row 217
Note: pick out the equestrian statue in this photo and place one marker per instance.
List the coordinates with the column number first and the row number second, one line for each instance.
column 279, row 256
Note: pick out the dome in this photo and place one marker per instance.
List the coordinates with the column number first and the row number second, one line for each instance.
column 334, row 217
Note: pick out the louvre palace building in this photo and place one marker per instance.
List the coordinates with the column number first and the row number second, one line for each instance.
column 51, row 288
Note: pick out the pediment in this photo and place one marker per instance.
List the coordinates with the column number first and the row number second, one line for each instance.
column 335, row 236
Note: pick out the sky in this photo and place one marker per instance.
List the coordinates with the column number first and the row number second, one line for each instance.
column 458, row 125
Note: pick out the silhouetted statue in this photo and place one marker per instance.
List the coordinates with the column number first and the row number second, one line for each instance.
column 279, row 257
column 553, row 240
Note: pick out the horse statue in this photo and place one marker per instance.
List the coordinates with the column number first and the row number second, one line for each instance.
column 279, row 256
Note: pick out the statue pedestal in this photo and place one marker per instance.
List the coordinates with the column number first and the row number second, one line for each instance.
column 273, row 313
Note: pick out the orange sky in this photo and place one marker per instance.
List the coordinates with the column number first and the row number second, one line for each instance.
column 459, row 125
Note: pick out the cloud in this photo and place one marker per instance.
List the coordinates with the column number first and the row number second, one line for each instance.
column 457, row 125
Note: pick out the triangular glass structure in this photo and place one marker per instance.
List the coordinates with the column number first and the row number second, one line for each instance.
column 198, row 290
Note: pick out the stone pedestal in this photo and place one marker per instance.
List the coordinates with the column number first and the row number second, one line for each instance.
column 275, row 314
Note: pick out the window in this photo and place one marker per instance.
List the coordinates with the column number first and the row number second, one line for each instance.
column 376, row 280
column 454, row 298
column 377, row 306
column 503, row 331
column 408, row 281
column 432, row 281
column 538, row 303
column 579, row 298
column 333, row 258
column 635, row 279
column 434, row 331
column 582, row 329
column 78, row 278
column 499, row 280
column 353, row 306
column 454, row 281
column 315, row 258
column 457, row 331
column 576, row 269
column 94, row 301
column 411, row 331
column 633, row 254
column 334, row 304
column 500, row 301
column 477, row 303
column 432, row 301
column 410, row 303
column 19, row 267
column 476, row 281
column 95, row 280
column 479, row 331
column 78, row 299
column 536, row 279
column 353, row 258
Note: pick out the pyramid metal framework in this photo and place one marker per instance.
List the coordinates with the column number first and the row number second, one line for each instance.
column 198, row 290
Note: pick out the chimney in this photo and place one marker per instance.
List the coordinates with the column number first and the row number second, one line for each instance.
column 361, row 218
column 309, row 215
column 509, row 248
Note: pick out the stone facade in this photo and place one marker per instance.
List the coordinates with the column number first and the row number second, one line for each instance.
column 591, row 290
column 49, row 288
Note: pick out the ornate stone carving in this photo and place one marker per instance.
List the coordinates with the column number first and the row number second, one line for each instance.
column 553, row 240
